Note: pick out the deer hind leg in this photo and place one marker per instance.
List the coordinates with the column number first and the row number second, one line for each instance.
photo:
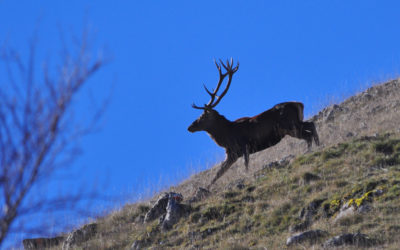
column 309, row 133
column 230, row 159
column 247, row 157
column 294, row 129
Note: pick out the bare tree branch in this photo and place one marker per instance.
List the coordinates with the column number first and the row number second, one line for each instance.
column 37, row 134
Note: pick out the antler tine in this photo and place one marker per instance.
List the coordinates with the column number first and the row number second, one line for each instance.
column 209, row 92
column 229, row 72
column 221, row 79
column 228, row 66
column 236, row 68
column 218, row 66
column 225, row 66
column 197, row 107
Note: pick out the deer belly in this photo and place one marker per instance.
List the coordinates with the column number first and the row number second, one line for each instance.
column 264, row 143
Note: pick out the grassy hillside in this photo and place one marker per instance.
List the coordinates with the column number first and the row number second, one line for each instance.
column 357, row 166
column 260, row 212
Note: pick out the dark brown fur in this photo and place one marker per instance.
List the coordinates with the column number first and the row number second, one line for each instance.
column 252, row 134
column 248, row 135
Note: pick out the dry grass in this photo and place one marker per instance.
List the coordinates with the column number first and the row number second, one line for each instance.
column 260, row 213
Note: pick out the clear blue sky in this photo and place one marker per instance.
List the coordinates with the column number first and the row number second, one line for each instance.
column 163, row 52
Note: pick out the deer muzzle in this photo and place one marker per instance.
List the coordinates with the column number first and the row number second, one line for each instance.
column 193, row 127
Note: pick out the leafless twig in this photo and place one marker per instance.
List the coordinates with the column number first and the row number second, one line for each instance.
column 36, row 134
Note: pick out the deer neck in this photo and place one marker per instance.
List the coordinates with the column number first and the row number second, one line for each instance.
column 220, row 132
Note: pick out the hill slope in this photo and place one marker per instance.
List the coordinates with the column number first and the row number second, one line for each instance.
column 350, row 184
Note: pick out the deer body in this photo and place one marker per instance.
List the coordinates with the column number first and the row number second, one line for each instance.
column 248, row 135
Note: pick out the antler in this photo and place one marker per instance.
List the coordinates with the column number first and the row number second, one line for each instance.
column 229, row 72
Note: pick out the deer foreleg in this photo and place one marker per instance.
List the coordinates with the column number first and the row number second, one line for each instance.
column 230, row 159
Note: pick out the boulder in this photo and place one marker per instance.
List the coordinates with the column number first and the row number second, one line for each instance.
column 311, row 236
column 168, row 210
column 158, row 208
column 80, row 235
column 175, row 211
column 357, row 239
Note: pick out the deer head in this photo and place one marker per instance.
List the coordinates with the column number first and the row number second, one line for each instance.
column 208, row 119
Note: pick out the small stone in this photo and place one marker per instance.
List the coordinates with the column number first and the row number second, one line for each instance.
column 311, row 236
column 357, row 239
column 279, row 164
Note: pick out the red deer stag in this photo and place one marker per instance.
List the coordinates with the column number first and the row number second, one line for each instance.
column 250, row 134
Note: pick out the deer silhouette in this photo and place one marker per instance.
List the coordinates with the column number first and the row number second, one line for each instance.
column 248, row 135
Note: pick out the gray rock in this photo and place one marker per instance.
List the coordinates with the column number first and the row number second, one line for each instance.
column 357, row 239
column 174, row 213
column 158, row 208
column 168, row 210
column 279, row 164
column 286, row 160
column 41, row 243
column 80, row 235
column 311, row 236
column 345, row 211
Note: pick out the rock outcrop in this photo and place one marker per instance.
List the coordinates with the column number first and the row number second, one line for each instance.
column 168, row 210
column 80, row 235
